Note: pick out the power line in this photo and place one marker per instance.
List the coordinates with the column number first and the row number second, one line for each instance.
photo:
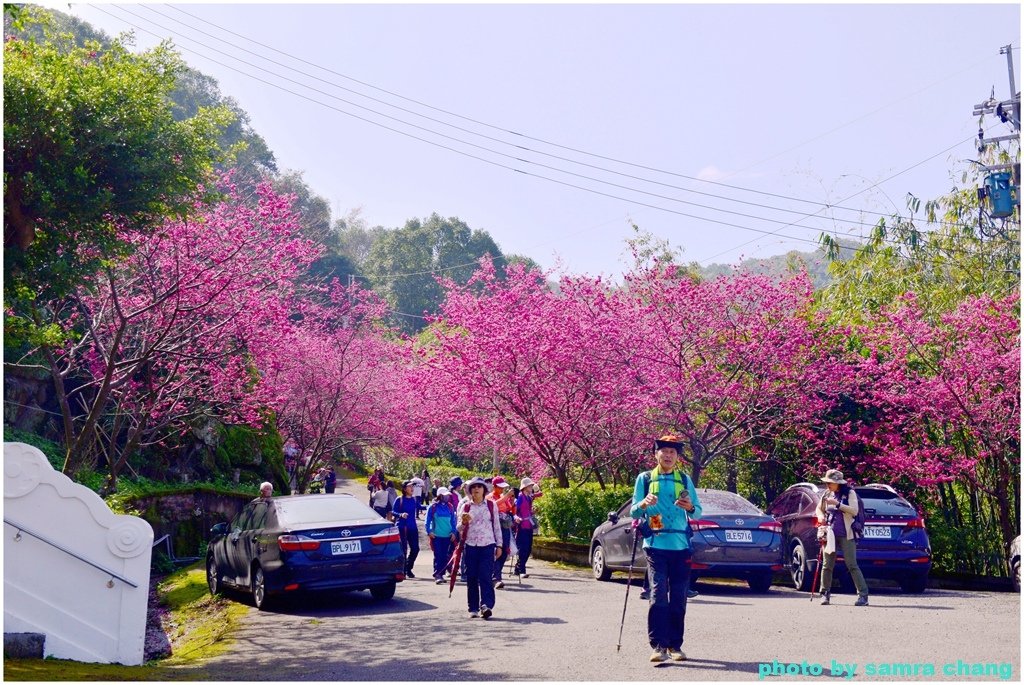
column 498, row 164
column 551, row 143
column 498, row 152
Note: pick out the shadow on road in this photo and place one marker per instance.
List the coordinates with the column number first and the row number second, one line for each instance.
column 725, row 666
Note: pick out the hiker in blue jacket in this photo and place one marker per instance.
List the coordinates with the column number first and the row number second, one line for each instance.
column 404, row 512
column 441, row 531
column 666, row 499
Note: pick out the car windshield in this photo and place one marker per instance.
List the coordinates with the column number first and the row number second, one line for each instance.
column 885, row 503
column 718, row 502
column 300, row 510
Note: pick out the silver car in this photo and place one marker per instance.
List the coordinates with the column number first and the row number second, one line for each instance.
column 732, row 539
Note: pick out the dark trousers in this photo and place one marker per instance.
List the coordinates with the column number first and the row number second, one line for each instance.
column 499, row 563
column 442, row 552
column 670, row 578
column 383, row 511
column 524, row 541
column 479, row 566
column 410, row 545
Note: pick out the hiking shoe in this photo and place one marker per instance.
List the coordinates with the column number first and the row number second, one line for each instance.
column 676, row 655
column 691, row 593
column 474, row 614
column 485, row 611
column 659, row 655
column 524, row 574
column 645, row 594
column 862, row 601
column 410, row 574
column 826, row 599
column 499, row 584
column 438, row 581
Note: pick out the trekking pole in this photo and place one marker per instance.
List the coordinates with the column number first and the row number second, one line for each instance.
column 817, row 569
column 629, row 583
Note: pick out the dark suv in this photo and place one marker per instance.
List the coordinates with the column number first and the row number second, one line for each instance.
column 895, row 545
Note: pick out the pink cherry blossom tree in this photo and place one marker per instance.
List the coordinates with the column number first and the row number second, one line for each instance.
column 166, row 332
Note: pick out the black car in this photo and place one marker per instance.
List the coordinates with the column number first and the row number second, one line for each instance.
column 895, row 545
column 732, row 539
column 305, row 542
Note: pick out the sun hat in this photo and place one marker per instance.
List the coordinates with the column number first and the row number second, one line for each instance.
column 669, row 440
column 834, row 476
column 455, row 482
column 443, row 491
column 478, row 481
column 525, row 483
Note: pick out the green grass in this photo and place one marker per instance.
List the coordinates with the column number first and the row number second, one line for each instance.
column 198, row 626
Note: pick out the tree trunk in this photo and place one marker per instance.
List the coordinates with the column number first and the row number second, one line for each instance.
column 731, row 472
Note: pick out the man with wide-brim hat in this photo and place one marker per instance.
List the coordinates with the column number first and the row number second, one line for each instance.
column 665, row 500
column 505, row 502
column 836, row 512
column 477, row 518
column 526, row 522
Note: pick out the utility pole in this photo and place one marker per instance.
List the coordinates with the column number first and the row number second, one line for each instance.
column 1008, row 51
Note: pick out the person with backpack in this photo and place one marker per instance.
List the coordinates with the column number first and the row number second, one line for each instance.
column 665, row 500
column 502, row 498
column 441, row 531
column 404, row 512
column 478, row 517
column 840, row 522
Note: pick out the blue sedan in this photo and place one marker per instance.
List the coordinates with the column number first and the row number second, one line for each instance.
column 280, row 546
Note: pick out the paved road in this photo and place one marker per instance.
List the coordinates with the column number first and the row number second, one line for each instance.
column 562, row 625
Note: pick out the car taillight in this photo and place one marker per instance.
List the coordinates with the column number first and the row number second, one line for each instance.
column 701, row 524
column 773, row 526
column 916, row 523
column 920, row 560
column 297, row 543
column 387, row 535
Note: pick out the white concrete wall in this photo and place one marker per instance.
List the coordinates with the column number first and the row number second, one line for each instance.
column 84, row 615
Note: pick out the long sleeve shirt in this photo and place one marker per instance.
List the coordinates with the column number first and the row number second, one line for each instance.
column 408, row 506
column 440, row 519
column 675, row 521
column 483, row 528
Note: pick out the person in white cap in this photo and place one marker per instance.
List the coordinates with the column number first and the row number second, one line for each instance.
column 441, row 531
column 836, row 512
column 527, row 522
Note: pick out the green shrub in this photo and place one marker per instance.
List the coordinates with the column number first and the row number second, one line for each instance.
column 571, row 514
column 54, row 452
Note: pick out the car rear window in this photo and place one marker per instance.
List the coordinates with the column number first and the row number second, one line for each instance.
column 299, row 510
column 719, row 502
column 885, row 503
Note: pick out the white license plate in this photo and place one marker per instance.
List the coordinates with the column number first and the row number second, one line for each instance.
column 877, row 532
column 346, row 547
column 738, row 536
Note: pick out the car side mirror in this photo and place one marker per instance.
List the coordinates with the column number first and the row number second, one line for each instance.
column 613, row 517
column 219, row 529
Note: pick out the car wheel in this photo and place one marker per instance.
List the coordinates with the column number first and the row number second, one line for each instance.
column 213, row 579
column 760, row 582
column 259, row 589
column 800, row 569
column 914, row 584
column 597, row 563
column 383, row 592
column 1015, row 573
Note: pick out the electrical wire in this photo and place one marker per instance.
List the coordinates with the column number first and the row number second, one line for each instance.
column 551, row 143
column 504, row 154
column 504, row 166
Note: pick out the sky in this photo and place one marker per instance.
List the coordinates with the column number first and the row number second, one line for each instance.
column 632, row 114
